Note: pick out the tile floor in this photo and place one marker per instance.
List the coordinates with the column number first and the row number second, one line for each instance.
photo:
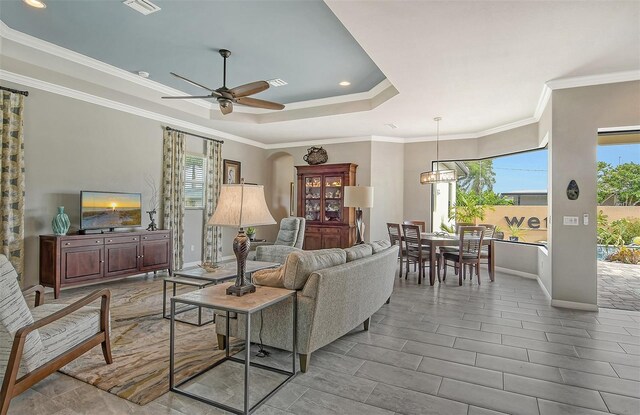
column 619, row 285
column 495, row 348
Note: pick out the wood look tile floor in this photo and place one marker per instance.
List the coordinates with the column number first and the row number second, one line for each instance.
column 490, row 349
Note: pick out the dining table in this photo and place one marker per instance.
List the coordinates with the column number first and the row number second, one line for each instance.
column 436, row 240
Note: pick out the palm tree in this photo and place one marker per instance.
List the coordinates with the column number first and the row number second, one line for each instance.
column 481, row 176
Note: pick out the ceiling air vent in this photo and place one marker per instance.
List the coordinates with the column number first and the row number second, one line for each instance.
column 143, row 6
column 277, row 82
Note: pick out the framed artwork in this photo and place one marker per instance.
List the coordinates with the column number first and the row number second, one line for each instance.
column 232, row 172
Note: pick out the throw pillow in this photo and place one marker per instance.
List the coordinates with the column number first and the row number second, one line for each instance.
column 358, row 251
column 379, row 246
column 300, row 264
column 272, row 277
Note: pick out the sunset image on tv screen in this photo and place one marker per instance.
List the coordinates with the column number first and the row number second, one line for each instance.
column 110, row 210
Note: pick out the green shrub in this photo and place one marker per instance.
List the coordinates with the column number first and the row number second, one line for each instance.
column 626, row 256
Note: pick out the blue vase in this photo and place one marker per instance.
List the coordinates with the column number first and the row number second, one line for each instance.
column 60, row 222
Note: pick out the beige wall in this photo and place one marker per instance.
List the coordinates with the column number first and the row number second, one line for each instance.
column 358, row 153
column 71, row 145
column 577, row 114
column 387, row 179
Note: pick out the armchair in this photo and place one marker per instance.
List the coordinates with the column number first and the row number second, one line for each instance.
column 290, row 238
column 35, row 343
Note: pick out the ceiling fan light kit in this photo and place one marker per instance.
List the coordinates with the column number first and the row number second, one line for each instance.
column 227, row 97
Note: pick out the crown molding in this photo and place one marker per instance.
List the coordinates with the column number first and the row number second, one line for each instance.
column 345, row 140
column 590, row 80
column 59, row 51
column 55, row 50
column 108, row 103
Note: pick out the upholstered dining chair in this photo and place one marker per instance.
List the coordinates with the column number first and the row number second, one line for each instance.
column 467, row 255
column 395, row 237
column 415, row 251
column 422, row 224
column 35, row 343
column 290, row 235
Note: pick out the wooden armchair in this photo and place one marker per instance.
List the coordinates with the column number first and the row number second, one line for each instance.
column 35, row 343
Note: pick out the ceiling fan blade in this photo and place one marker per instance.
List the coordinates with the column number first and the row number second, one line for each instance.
column 191, row 97
column 249, row 89
column 226, row 109
column 259, row 103
column 193, row 82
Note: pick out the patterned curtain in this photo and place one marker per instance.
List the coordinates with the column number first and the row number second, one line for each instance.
column 173, row 159
column 212, row 235
column 12, row 180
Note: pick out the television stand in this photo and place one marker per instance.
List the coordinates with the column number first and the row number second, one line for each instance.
column 79, row 259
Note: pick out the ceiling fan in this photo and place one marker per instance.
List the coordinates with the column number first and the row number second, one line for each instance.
column 227, row 97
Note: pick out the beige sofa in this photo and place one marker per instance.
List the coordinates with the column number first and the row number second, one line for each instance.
column 336, row 291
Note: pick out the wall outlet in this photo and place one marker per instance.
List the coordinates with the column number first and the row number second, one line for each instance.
column 585, row 219
column 193, row 248
column 570, row 221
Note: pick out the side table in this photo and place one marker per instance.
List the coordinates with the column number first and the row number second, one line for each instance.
column 215, row 297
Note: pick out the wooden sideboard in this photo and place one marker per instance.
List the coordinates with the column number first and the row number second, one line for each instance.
column 80, row 259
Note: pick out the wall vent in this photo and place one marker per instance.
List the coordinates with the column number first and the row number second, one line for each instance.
column 143, row 6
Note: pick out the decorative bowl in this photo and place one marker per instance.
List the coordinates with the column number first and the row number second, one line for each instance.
column 209, row 266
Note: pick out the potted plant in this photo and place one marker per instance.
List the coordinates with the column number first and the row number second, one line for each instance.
column 516, row 233
column 251, row 233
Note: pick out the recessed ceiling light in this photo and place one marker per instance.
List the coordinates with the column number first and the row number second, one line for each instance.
column 277, row 82
column 143, row 74
column 344, row 83
column 36, row 3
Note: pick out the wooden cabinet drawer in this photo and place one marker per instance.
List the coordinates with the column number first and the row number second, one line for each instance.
column 331, row 230
column 155, row 236
column 121, row 239
column 72, row 243
column 312, row 229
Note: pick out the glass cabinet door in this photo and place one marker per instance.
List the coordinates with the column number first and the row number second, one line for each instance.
column 313, row 198
column 333, row 193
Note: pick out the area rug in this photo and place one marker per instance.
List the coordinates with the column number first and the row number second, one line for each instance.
column 140, row 343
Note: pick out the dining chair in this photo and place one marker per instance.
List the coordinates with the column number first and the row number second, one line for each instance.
column 489, row 231
column 460, row 224
column 422, row 224
column 416, row 252
column 468, row 254
column 395, row 237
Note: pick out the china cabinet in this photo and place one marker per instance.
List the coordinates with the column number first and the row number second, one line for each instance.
column 321, row 202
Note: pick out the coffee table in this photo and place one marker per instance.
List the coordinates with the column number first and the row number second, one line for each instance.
column 200, row 278
column 216, row 297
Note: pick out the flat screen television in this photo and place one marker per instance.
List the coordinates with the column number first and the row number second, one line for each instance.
column 102, row 210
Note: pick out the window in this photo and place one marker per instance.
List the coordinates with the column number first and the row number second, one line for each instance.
column 194, row 168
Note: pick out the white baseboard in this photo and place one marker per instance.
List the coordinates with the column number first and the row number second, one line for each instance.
column 544, row 289
column 574, row 305
column 516, row 273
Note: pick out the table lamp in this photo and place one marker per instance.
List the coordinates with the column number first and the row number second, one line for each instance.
column 358, row 197
column 241, row 205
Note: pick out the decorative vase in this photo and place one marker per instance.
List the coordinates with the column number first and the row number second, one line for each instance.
column 60, row 222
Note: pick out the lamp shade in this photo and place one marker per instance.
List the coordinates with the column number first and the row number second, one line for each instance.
column 241, row 205
column 358, row 196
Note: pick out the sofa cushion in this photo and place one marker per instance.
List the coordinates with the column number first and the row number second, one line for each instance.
column 272, row 277
column 379, row 246
column 300, row 264
column 358, row 252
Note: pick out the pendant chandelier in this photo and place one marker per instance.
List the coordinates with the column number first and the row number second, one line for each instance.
column 437, row 175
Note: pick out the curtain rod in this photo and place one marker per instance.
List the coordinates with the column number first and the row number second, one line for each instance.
column 195, row 135
column 15, row 91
